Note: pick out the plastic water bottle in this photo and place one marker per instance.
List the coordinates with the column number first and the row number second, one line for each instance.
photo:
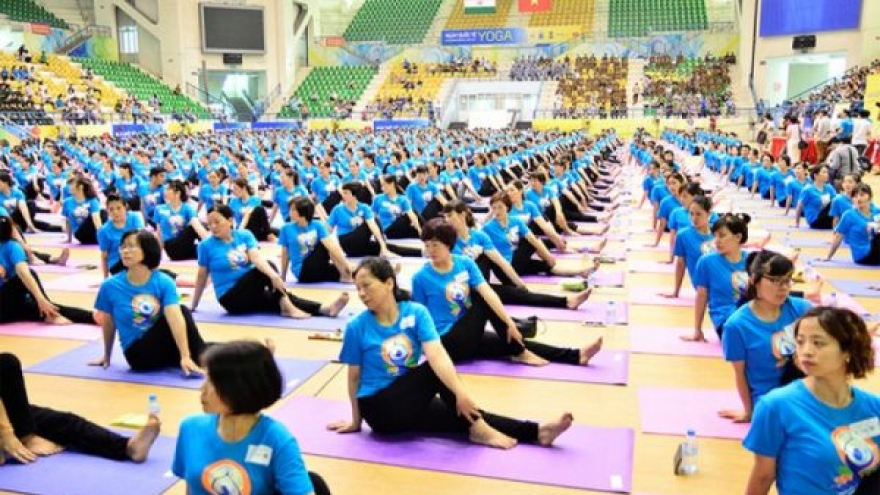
column 832, row 300
column 591, row 279
column 689, row 452
column 810, row 273
column 611, row 313
column 153, row 405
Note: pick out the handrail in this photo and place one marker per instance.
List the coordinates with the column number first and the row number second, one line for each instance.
column 266, row 102
column 208, row 99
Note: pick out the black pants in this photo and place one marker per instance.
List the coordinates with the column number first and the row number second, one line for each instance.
column 18, row 218
column 873, row 257
column 824, row 220
column 431, row 210
column 316, row 267
column 410, row 404
column 64, row 428
column 523, row 263
column 258, row 224
column 17, row 304
column 157, row 348
column 87, row 234
column 183, row 247
column 331, row 201
column 511, row 294
column 360, row 242
column 402, row 228
column 254, row 293
column 487, row 189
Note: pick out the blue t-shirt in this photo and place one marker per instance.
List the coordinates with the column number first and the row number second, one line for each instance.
column 659, row 192
column 764, row 176
column 78, row 212
column 725, row 283
column 420, row 196
column 447, row 295
column 150, row 198
column 301, row 241
column 853, row 226
column 840, row 205
column 135, row 309
column 227, row 261
column 172, row 222
column 813, row 200
column 210, row 196
column 477, row 244
column 11, row 254
column 388, row 210
column 819, row 449
column 110, row 237
column 794, row 190
column 346, row 221
column 322, row 188
column 764, row 346
column 386, row 353
column 128, row 189
column 527, row 212
column 10, row 200
column 281, row 197
column 506, row 239
column 780, row 184
column 3, row 212
column 667, row 206
column 238, row 207
column 266, row 461
column 690, row 244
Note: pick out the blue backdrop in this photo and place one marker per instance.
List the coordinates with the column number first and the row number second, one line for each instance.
column 780, row 17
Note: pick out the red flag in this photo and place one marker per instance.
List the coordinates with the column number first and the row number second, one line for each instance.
column 535, row 5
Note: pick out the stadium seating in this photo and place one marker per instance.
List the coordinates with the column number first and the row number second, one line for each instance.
column 460, row 20
column 629, row 18
column 348, row 83
column 73, row 76
column 595, row 87
column 29, row 11
column 138, row 83
column 566, row 13
column 395, row 22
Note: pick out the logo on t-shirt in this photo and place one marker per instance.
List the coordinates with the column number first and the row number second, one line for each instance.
column 458, row 294
column 307, row 241
column 81, row 212
column 176, row 224
column 707, row 247
column 144, row 310
column 513, row 235
column 859, row 455
column 473, row 252
column 397, row 352
column 237, row 257
column 227, row 477
column 783, row 345
column 739, row 281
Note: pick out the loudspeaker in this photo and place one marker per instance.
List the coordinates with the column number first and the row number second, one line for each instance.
column 458, row 126
column 804, row 41
column 523, row 125
column 232, row 58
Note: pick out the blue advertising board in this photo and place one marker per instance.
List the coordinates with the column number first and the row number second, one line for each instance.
column 500, row 36
column 279, row 124
column 231, row 126
column 126, row 130
column 385, row 125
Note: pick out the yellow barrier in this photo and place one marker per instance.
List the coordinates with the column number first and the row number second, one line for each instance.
column 331, row 124
column 566, row 125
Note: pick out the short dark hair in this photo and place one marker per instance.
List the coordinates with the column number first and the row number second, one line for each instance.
column 149, row 244
column 179, row 187
column 703, row 202
column 765, row 263
column 113, row 197
column 223, row 210
column 244, row 374
column 861, row 187
column 736, row 223
column 303, row 206
column 438, row 229
column 851, row 334
column 381, row 269
column 501, row 197
column 459, row 206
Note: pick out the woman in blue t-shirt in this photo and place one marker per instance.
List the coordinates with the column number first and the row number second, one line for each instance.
column 691, row 243
column 141, row 304
column 758, row 339
column 680, row 217
column 860, row 228
column 119, row 221
column 843, row 202
column 815, row 200
column 308, row 248
column 244, row 282
column 213, row 192
column 394, row 212
column 20, row 210
column 394, row 394
column 820, row 435
column 83, row 212
column 22, row 297
column 796, row 186
column 287, row 189
column 248, row 210
column 179, row 227
column 233, row 441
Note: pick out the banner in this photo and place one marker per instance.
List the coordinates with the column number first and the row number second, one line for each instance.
column 531, row 6
column 231, row 126
column 500, row 36
column 126, row 130
column 872, row 96
column 479, row 6
column 279, row 124
column 385, row 125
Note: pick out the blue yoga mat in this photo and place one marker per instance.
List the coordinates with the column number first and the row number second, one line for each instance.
column 210, row 311
column 73, row 473
column 787, row 228
column 74, row 363
column 857, row 288
column 810, row 243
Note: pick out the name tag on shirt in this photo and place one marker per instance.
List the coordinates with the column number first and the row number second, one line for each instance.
column 407, row 322
column 868, row 428
column 259, row 454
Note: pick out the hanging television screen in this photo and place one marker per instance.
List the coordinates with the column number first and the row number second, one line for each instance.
column 232, row 29
column 786, row 17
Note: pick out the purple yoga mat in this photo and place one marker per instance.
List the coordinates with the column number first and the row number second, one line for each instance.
column 643, row 266
column 67, row 270
column 857, row 288
column 686, row 298
column 34, row 329
column 667, row 341
column 591, row 312
column 839, row 262
column 73, row 473
column 608, row 368
column 673, row 411
column 844, row 301
column 87, row 281
column 584, row 457
column 74, row 363
column 604, row 278
column 210, row 311
column 785, row 228
column 809, row 243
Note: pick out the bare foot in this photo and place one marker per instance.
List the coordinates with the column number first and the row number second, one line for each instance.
column 58, row 320
column 600, row 247
column 549, row 432
column 138, row 446
column 333, row 309
column 40, row 446
column 575, row 301
column 482, row 434
column 62, row 258
column 587, row 353
column 290, row 311
column 530, row 358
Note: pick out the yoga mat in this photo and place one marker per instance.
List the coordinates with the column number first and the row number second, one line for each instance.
column 667, row 341
column 603, row 279
column 593, row 228
column 593, row 458
column 87, row 281
column 857, row 288
column 809, row 243
column 840, row 262
column 844, row 301
column 673, row 411
column 642, row 266
column 649, row 297
column 210, row 311
column 607, row 367
column 786, row 228
column 74, row 473
column 35, row 329
column 74, row 363
column 56, row 269
column 591, row 312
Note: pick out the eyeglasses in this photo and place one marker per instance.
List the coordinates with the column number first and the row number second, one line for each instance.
column 781, row 282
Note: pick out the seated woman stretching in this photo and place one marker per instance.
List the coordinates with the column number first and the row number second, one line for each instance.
column 860, row 228
column 83, row 212
column 477, row 246
column 818, row 435
column 28, row 431
column 142, row 305
column 22, row 297
column 395, row 394
column 461, row 303
column 244, row 282
column 757, row 338
column 395, row 214
column 815, row 201
column 120, row 221
column 356, row 227
column 307, row 248
column 248, row 210
column 242, row 380
column 691, row 243
column 179, row 225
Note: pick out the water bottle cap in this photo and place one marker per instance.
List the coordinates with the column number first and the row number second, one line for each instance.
column 692, row 433
column 152, row 397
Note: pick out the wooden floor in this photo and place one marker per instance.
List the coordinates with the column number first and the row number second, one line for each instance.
column 724, row 464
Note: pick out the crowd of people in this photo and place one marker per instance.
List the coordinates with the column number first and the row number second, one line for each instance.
column 848, row 89
column 688, row 88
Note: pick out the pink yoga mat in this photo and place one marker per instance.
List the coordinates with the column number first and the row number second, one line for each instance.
column 591, row 312
column 89, row 281
column 604, row 278
column 643, row 266
column 56, row 269
column 844, row 300
column 667, row 341
column 34, row 329
column 673, row 411
column 607, row 367
column 650, row 297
